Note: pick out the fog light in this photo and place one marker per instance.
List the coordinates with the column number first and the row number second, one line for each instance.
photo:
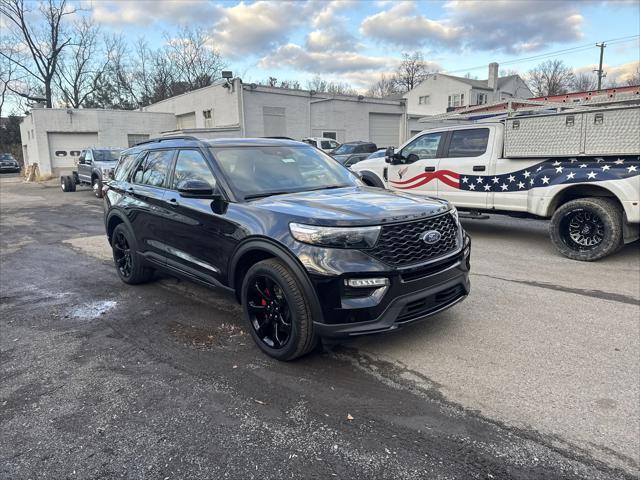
column 366, row 282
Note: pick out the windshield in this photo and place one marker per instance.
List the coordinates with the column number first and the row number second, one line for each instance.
column 344, row 148
column 260, row 171
column 106, row 155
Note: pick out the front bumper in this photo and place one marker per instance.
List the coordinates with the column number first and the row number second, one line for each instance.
column 9, row 168
column 413, row 294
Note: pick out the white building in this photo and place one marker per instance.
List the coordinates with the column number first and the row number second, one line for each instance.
column 440, row 92
column 54, row 137
column 236, row 109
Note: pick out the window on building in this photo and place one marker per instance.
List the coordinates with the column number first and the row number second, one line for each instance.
column 208, row 118
column 153, row 170
column 456, row 100
column 135, row 138
column 482, row 99
column 191, row 165
column 424, row 99
column 468, row 143
column 329, row 135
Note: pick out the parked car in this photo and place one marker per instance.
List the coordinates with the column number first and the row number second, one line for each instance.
column 352, row 152
column 8, row 163
column 592, row 200
column 308, row 250
column 95, row 166
column 325, row 144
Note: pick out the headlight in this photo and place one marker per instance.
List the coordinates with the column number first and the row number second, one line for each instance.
column 348, row 237
column 454, row 212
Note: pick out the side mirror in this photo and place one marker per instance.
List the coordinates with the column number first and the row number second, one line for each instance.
column 196, row 189
column 389, row 155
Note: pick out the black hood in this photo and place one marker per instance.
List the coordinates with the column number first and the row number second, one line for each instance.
column 351, row 206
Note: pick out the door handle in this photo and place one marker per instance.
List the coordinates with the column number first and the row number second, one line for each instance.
column 173, row 201
column 479, row 168
column 429, row 169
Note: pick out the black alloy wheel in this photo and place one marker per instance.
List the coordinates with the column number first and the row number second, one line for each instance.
column 582, row 229
column 269, row 312
column 122, row 254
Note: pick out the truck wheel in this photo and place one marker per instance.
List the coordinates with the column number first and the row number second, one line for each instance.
column 129, row 263
column 67, row 184
column 587, row 229
column 96, row 185
column 277, row 312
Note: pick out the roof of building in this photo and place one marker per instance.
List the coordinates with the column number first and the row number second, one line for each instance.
column 483, row 84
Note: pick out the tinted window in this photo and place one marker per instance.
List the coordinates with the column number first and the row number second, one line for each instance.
column 344, row 149
column 105, row 155
column 325, row 144
column 124, row 166
column 469, row 143
column 191, row 165
column 283, row 169
column 423, row 147
column 154, row 169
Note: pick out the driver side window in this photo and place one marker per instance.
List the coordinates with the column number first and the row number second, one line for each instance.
column 423, row 148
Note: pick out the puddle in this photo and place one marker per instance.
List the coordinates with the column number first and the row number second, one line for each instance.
column 93, row 310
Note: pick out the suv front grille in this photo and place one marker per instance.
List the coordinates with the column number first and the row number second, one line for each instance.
column 400, row 244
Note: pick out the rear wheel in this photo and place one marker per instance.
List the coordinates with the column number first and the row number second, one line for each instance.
column 129, row 264
column 587, row 229
column 277, row 311
column 67, row 184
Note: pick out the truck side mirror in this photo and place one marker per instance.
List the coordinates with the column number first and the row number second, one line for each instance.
column 389, row 155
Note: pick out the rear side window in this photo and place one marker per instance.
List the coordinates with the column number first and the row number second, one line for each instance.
column 124, row 167
column 154, row 169
column 191, row 165
column 468, row 143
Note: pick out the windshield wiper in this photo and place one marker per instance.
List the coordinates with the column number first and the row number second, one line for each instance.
column 265, row 194
column 328, row 187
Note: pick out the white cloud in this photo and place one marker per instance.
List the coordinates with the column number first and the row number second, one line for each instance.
column 500, row 25
column 134, row 12
column 618, row 74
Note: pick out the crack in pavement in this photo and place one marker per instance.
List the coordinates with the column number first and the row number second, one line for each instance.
column 614, row 297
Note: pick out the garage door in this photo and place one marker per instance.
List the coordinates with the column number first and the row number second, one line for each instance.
column 64, row 149
column 384, row 129
column 188, row 120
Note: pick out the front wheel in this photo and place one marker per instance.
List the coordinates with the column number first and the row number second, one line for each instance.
column 587, row 229
column 97, row 187
column 277, row 311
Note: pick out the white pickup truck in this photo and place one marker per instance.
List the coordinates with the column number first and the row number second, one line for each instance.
column 593, row 201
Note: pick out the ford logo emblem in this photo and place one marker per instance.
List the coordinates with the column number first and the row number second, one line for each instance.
column 430, row 237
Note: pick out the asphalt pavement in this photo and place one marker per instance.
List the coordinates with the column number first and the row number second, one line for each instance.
column 534, row 376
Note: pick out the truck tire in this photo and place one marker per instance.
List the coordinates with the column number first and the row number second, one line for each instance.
column 371, row 180
column 277, row 313
column 67, row 184
column 587, row 229
column 96, row 186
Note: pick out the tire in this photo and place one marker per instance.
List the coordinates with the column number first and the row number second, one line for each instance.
column 284, row 294
column 372, row 180
column 66, row 184
column 131, row 271
column 587, row 229
column 96, row 186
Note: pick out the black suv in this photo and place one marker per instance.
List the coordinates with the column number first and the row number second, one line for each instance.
column 309, row 251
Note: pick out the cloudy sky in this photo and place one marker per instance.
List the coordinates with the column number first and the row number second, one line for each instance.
column 354, row 41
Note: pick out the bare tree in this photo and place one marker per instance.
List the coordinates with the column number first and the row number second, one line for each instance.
column 552, row 77
column 411, row 72
column 44, row 40
column 197, row 61
column 634, row 79
column 81, row 68
column 320, row 85
column 584, row 82
column 383, row 87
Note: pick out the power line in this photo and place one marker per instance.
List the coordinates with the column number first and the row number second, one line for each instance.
column 549, row 54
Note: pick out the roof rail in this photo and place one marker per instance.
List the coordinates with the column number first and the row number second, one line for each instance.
column 162, row 139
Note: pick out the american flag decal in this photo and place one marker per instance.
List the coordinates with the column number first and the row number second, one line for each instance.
column 547, row 173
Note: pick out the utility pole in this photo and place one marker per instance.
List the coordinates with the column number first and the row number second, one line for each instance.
column 599, row 71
